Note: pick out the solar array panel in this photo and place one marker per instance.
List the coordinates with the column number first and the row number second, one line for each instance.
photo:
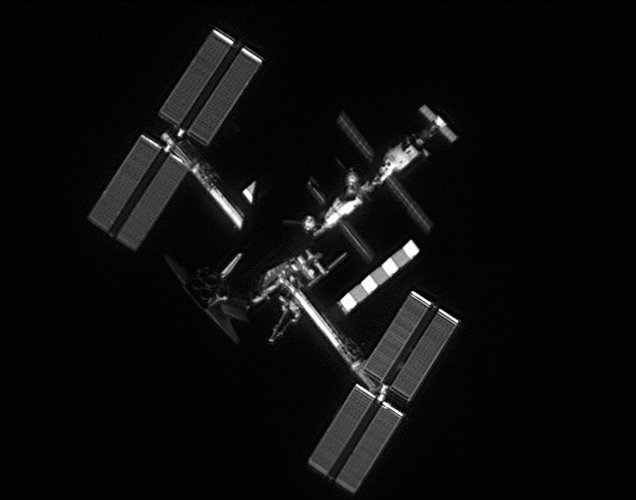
column 341, row 431
column 409, row 347
column 126, row 180
column 355, row 439
column 391, row 347
column 138, row 193
column 224, row 97
column 210, row 87
column 315, row 191
column 420, row 361
column 354, row 238
column 448, row 134
column 412, row 207
column 351, row 131
column 369, row 448
column 427, row 113
column 152, row 202
column 195, row 78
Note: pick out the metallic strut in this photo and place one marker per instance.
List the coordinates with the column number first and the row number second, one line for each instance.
column 328, row 331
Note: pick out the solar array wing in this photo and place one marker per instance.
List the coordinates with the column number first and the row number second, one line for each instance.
column 354, row 440
column 341, row 432
column 356, row 241
column 444, row 129
column 412, row 207
column 385, row 357
column 351, row 131
column 409, row 347
column 196, row 77
column 140, row 189
column 426, row 351
column 225, row 95
column 427, row 113
column 316, row 193
column 210, row 87
column 126, row 180
column 369, row 448
column 152, row 202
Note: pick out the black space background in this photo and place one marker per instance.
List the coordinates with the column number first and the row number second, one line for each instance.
column 128, row 390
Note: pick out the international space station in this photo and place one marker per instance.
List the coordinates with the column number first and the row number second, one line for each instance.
column 386, row 380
